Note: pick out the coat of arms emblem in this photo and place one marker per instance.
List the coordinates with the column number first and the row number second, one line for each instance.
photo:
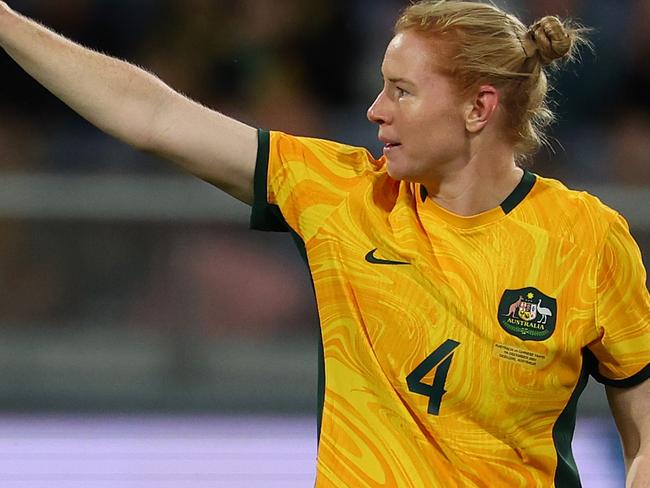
column 527, row 313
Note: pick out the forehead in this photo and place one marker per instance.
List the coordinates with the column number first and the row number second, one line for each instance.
column 409, row 54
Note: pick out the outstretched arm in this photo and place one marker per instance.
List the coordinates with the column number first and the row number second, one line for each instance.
column 631, row 409
column 134, row 106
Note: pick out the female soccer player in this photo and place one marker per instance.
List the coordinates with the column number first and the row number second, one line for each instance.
column 463, row 300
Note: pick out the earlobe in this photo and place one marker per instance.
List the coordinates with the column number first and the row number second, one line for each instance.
column 482, row 108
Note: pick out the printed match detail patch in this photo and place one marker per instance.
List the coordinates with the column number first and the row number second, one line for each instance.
column 519, row 355
column 528, row 314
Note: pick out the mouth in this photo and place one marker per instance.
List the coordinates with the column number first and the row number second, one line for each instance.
column 391, row 147
column 389, row 144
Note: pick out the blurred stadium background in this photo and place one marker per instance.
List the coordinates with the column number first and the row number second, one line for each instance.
column 147, row 338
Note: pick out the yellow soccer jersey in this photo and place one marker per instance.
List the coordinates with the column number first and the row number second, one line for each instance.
column 454, row 348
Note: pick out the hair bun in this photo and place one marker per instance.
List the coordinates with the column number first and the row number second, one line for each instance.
column 549, row 38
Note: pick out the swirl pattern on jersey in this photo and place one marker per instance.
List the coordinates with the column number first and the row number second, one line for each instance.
column 431, row 376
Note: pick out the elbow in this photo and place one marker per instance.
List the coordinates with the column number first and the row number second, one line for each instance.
column 638, row 470
column 632, row 449
column 145, row 125
column 155, row 128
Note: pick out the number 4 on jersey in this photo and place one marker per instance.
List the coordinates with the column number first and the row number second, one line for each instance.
column 441, row 360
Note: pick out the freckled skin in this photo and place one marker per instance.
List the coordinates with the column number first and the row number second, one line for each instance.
column 418, row 108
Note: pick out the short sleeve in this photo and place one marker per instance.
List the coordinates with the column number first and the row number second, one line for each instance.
column 622, row 311
column 300, row 181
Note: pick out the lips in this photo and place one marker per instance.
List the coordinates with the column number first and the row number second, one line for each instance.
column 390, row 148
column 389, row 143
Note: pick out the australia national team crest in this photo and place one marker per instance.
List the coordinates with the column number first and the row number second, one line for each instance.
column 528, row 314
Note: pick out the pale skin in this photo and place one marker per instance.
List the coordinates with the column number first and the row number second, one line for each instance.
column 135, row 106
column 631, row 410
column 450, row 143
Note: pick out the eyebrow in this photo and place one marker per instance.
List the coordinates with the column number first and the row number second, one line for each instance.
column 399, row 80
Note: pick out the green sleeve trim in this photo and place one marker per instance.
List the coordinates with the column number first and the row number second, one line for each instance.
column 630, row 382
column 264, row 216
column 268, row 217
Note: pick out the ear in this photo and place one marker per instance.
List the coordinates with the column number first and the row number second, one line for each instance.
column 481, row 108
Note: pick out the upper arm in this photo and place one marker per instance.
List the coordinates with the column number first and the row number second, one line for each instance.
column 216, row 148
column 622, row 310
column 631, row 411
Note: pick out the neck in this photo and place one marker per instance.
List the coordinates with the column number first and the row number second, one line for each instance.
column 476, row 184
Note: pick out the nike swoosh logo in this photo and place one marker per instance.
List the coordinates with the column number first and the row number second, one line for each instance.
column 370, row 257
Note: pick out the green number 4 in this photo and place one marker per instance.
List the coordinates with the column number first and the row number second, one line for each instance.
column 440, row 359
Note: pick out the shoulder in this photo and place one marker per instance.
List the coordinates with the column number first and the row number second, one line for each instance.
column 322, row 151
column 573, row 201
column 575, row 214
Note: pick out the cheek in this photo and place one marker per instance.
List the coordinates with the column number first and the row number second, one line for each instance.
column 435, row 142
column 440, row 132
column 444, row 128
column 438, row 115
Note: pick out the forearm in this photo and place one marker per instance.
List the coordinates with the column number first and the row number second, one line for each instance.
column 638, row 471
column 135, row 106
column 119, row 98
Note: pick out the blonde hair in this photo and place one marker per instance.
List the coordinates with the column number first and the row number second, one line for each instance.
column 481, row 44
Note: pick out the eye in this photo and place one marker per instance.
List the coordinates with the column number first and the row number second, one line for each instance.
column 401, row 92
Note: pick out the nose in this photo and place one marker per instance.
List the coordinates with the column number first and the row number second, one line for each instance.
column 377, row 112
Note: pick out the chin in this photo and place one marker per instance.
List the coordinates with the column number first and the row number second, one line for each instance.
column 394, row 170
column 398, row 171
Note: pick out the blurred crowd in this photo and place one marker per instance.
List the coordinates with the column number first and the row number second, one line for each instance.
column 308, row 68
